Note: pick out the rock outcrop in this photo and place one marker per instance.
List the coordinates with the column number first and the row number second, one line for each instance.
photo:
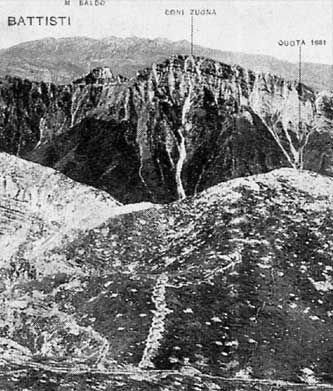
column 175, row 129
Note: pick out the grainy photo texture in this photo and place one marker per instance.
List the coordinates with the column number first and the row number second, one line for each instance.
column 166, row 195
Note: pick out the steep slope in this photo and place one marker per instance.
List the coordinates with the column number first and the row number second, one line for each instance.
column 234, row 283
column 177, row 128
column 40, row 207
column 62, row 60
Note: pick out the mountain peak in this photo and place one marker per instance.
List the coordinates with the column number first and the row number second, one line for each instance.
column 182, row 125
column 99, row 75
column 65, row 59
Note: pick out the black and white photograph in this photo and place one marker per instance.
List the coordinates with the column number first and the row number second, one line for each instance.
column 166, row 195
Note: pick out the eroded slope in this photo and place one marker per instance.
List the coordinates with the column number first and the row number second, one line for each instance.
column 39, row 207
column 175, row 129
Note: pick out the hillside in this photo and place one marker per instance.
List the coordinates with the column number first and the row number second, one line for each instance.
column 40, row 207
column 233, row 283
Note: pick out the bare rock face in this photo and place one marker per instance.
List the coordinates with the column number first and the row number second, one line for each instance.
column 100, row 75
column 230, row 289
column 39, row 207
column 175, row 129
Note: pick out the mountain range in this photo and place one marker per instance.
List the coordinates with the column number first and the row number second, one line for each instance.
column 175, row 129
column 62, row 60
column 164, row 225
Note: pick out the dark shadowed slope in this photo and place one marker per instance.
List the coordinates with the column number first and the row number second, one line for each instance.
column 177, row 128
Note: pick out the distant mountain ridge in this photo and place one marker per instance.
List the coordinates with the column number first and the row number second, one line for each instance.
column 65, row 59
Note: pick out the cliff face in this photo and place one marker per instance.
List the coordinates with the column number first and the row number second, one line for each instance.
column 176, row 129
column 231, row 288
column 28, row 110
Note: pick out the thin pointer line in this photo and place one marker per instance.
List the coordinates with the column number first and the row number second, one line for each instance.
column 299, row 163
column 299, row 85
column 191, row 35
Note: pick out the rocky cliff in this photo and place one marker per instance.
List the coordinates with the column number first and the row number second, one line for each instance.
column 175, row 129
column 228, row 290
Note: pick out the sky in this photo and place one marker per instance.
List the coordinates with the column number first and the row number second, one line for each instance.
column 250, row 26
